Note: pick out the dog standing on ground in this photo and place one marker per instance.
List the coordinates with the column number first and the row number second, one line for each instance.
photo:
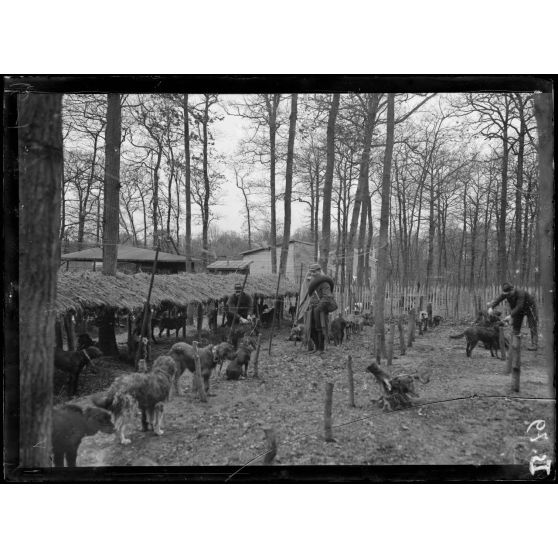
column 148, row 391
column 210, row 356
column 239, row 365
column 73, row 362
column 490, row 336
column 70, row 424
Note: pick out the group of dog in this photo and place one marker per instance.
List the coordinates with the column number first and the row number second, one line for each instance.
column 147, row 391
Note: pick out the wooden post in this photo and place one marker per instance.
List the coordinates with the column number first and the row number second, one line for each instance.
column 378, row 346
column 59, row 340
column 502, row 343
column 390, row 340
column 374, row 340
column 516, row 362
column 198, row 380
column 257, row 356
column 325, row 329
column 271, row 445
column 401, row 334
column 351, row 381
column 412, row 318
column 274, row 312
column 328, row 436
column 70, row 334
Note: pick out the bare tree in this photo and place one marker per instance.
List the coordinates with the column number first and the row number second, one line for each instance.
column 40, row 172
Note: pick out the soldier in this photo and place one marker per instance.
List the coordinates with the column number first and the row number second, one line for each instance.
column 239, row 304
column 321, row 302
column 521, row 304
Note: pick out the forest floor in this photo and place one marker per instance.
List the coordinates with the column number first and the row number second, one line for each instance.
column 289, row 397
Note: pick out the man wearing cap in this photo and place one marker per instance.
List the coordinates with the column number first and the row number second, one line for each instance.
column 321, row 302
column 521, row 304
column 239, row 304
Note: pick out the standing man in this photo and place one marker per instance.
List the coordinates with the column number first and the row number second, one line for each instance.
column 238, row 304
column 321, row 301
column 521, row 304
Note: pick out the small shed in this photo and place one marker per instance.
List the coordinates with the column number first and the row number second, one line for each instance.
column 301, row 254
column 130, row 259
column 222, row 267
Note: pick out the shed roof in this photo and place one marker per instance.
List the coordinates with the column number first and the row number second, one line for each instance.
column 265, row 248
column 231, row 265
column 125, row 253
column 91, row 291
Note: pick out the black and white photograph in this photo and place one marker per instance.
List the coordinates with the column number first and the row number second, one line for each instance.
column 256, row 278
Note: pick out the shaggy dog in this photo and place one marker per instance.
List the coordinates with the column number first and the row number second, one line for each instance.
column 210, row 356
column 490, row 336
column 73, row 362
column 337, row 329
column 70, row 424
column 148, row 391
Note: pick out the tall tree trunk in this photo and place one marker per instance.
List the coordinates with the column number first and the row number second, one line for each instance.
column 40, row 176
column 112, row 185
column 544, row 116
column 205, row 211
column 519, row 189
column 272, row 102
column 107, row 334
column 382, row 265
column 288, row 186
column 502, row 260
column 370, row 238
column 362, row 188
column 188, row 186
column 315, row 232
column 328, row 182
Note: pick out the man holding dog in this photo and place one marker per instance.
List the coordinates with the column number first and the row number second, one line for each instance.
column 521, row 304
column 239, row 304
column 321, row 302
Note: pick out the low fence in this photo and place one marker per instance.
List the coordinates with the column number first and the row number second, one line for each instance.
column 448, row 301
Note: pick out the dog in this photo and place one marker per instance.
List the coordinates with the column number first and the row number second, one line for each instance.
column 70, row 424
column 337, row 329
column 490, row 336
column 210, row 356
column 148, row 391
column 239, row 365
column 73, row 362
column 297, row 333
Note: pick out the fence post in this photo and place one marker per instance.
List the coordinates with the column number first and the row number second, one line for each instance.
column 328, row 436
column 515, row 359
column 502, row 342
column 351, row 381
column 412, row 317
column 401, row 334
column 390, row 340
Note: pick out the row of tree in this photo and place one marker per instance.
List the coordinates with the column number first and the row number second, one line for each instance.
column 462, row 202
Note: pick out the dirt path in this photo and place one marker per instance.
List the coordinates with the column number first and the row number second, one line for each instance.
column 227, row 430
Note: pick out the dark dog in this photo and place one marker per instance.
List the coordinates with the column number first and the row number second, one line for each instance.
column 70, row 424
column 436, row 321
column 73, row 362
column 171, row 324
column 210, row 356
column 490, row 336
column 239, row 365
column 84, row 340
column 337, row 330
column 148, row 390
column 484, row 319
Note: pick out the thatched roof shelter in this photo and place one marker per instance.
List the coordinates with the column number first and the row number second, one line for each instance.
column 92, row 291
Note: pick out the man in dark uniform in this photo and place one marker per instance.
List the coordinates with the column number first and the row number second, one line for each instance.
column 239, row 304
column 521, row 304
column 321, row 301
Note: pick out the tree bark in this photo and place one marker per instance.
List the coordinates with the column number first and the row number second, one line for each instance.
column 40, row 177
column 288, row 186
column 328, row 182
column 188, row 186
column 112, row 185
column 381, row 268
column 544, row 116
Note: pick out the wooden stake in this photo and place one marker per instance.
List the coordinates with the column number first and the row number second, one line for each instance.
column 390, row 340
column 274, row 312
column 257, row 356
column 351, row 381
column 502, row 343
column 198, row 380
column 516, row 361
column 412, row 319
column 378, row 346
column 401, row 335
column 271, row 445
column 328, row 436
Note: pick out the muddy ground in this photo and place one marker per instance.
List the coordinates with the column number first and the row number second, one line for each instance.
column 289, row 397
